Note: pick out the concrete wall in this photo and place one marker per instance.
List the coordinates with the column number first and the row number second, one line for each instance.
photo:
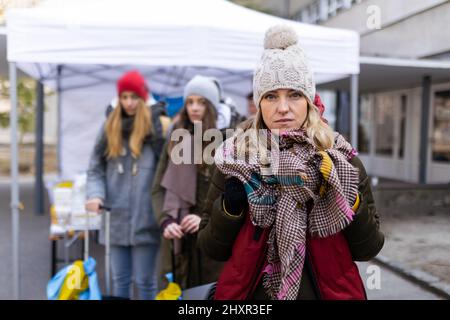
column 413, row 200
column 391, row 12
column 419, row 36
column 409, row 28
column 276, row 7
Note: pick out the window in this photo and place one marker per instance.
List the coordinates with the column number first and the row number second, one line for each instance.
column 384, row 125
column 441, row 128
column 321, row 10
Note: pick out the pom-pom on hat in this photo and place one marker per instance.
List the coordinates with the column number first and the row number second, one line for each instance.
column 283, row 65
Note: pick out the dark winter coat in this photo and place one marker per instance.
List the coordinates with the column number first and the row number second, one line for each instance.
column 193, row 268
column 360, row 241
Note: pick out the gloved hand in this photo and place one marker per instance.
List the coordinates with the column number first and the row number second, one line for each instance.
column 234, row 197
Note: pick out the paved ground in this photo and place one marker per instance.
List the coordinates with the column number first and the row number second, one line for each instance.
column 420, row 243
column 34, row 247
column 391, row 286
column 35, row 257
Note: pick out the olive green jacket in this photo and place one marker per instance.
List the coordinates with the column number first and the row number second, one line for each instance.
column 218, row 229
column 192, row 267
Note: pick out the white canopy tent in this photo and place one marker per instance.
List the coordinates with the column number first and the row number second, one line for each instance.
column 81, row 47
column 94, row 42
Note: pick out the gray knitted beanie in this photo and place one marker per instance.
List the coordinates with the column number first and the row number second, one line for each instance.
column 205, row 87
column 283, row 65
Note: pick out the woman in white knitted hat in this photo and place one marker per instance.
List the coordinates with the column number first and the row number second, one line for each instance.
column 294, row 214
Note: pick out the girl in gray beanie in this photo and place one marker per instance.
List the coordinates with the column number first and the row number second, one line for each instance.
column 179, row 189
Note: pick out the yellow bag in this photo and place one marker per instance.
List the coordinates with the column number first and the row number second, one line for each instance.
column 172, row 292
column 69, row 289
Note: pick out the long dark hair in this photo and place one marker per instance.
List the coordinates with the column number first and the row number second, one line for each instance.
column 208, row 122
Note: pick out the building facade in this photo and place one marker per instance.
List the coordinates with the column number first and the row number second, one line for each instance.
column 404, row 126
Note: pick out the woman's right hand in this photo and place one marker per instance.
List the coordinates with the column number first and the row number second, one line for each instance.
column 234, row 197
column 93, row 205
column 173, row 231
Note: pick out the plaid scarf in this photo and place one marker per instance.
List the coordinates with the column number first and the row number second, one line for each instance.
column 278, row 200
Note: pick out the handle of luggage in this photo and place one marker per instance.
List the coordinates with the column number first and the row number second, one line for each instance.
column 201, row 292
column 107, row 217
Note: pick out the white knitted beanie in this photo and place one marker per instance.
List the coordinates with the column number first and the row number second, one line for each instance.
column 283, row 65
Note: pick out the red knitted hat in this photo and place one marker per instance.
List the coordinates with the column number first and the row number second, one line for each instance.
column 135, row 82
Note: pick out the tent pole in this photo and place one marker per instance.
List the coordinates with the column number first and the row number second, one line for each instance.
column 59, row 91
column 354, row 110
column 14, row 180
column 39, row 157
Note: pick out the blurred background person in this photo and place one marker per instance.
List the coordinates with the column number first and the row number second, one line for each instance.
column 179, row 190
column 120, row 175
column 251, row 107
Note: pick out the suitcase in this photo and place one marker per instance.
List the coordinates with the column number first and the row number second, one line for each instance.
column 107, row 217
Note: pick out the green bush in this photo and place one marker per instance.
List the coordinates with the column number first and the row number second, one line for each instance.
column 26, row 98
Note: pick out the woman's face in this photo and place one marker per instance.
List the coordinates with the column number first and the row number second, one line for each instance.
column 129, row 102
column 196, row 108
column 284, row 109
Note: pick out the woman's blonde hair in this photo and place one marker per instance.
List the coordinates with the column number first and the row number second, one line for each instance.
column 250, row 141
column 316, row 129
column 142, row 126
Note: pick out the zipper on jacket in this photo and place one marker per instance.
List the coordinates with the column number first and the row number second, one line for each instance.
column 132, row 204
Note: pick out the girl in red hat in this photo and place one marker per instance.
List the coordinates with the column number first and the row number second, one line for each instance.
column 120, row 174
